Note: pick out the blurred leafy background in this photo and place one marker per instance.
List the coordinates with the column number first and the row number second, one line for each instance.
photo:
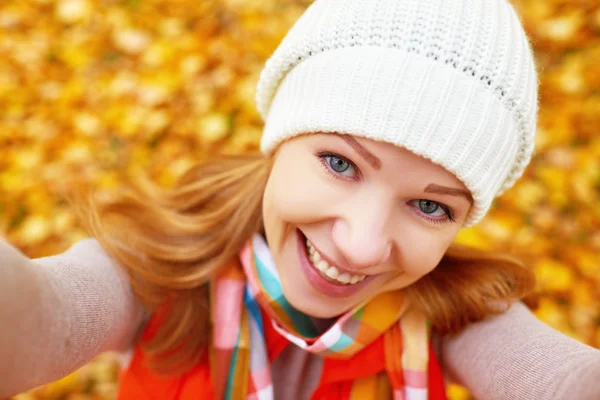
column 91, row 89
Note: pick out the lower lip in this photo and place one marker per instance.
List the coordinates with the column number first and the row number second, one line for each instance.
column 319, row 282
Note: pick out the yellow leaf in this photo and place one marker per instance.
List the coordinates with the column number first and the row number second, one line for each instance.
column 456, row 392
column 213, row 127
column 71, row 11
column 553, row 275
column 34, row 230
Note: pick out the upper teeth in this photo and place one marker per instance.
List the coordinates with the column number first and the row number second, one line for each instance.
column 329, row 270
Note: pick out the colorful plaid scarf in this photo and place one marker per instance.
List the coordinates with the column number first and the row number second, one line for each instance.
column 239, row 359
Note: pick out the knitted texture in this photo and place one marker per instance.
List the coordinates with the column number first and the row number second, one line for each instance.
column 453, row 81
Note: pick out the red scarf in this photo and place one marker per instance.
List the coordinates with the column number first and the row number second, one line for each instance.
column 336, row 382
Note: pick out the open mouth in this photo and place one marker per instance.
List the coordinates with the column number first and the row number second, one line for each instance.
column 324, row 277
column 328, row 271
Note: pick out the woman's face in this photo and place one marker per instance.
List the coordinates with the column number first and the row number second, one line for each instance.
column 347, row 218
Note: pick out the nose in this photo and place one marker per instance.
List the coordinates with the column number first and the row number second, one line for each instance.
column 362, row 239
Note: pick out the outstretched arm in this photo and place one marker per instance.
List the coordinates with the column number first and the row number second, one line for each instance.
column 516, row 356
column 59, row 312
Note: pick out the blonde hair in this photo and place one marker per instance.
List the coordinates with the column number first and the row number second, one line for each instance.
column 171, row 242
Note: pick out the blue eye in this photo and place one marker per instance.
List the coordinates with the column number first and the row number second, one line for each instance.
column 338, row 165
column 433, row 211
column 430, row 207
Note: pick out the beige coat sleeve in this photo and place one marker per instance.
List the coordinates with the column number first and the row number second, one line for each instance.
column 59, row 312
column 515, row 356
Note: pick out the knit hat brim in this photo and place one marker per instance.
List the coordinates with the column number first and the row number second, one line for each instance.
column 429, row 108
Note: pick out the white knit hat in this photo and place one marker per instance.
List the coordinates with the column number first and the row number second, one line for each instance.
column 451, row 80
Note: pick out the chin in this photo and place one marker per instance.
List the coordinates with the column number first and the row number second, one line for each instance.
column 309, row 305
column 306, row 300
column 297, row 289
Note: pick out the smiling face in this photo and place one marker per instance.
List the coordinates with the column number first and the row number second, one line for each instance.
column 347, row 218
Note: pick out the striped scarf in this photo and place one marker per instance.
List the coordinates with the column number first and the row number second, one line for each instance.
column 239, row 359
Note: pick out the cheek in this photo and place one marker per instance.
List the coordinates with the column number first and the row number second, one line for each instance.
column 422, row 251
column 294, row 193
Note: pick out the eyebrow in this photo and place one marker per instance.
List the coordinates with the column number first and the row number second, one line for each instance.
column 433, row 188
column 364, row 153
column 376, row 163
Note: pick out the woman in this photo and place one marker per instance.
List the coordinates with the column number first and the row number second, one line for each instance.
column 323, row 269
